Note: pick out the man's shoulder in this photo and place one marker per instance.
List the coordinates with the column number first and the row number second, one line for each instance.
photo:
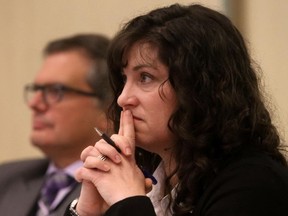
column 25, row 163
column 24, row 167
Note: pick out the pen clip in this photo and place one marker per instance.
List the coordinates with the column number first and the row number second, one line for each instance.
column 148, row 175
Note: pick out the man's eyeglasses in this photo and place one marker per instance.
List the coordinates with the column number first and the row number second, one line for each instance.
column 52, row 93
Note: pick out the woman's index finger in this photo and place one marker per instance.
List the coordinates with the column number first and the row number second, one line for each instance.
column 120, row 131
column 128, row 125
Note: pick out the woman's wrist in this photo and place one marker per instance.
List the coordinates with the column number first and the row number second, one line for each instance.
column 84, row 209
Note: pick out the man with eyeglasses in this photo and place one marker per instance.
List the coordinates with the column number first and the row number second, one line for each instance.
column 68, row 98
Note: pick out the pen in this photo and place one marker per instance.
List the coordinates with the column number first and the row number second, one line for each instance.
column 111, row 142
column 107, row 139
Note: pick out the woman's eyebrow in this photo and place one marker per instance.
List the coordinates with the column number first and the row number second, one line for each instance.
column 140, row 66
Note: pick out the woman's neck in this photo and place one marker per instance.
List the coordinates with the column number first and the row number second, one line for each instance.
column 170, row 165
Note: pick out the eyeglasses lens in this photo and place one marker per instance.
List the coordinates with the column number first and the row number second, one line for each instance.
column 49, row 94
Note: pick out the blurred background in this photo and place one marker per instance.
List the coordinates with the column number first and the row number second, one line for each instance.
column 26, row 27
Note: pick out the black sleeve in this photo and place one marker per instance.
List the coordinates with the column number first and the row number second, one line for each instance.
column 137, row 205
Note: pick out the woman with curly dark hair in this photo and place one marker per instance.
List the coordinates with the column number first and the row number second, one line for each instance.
column 185, row 91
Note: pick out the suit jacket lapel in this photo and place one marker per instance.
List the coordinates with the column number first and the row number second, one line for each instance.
column 27, row 190
column 29, row 194
column 21, row 193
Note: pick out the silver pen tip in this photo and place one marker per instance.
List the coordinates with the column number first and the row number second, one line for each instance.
column 98, row 131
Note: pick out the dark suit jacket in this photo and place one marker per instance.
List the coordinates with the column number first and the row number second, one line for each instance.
column 20, row 185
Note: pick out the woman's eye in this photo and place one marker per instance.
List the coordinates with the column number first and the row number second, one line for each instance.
column 144, row 78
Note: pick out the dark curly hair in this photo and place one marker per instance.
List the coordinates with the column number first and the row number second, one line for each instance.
column 221, row 109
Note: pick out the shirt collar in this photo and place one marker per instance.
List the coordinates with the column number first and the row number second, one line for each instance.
column 70, row 169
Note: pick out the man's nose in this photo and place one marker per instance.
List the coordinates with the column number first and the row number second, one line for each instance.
column 37, row 100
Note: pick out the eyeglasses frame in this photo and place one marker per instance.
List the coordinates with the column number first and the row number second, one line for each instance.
column 61, row 88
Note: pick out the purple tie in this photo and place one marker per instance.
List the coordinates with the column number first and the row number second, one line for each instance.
column 53, row 184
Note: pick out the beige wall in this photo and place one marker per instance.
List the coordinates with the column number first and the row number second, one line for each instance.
column 266, row 27
column 26, row 26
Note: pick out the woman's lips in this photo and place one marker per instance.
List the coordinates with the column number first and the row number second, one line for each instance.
column 137, row 118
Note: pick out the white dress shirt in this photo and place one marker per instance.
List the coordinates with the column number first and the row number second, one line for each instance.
column 159, row 200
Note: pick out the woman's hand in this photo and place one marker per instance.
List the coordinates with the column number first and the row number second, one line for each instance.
column 116, row 178
column 90, row 202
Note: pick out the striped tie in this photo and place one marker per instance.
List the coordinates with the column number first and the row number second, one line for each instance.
column 53, row 184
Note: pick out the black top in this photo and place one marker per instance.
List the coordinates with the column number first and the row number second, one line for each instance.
column 250, row 185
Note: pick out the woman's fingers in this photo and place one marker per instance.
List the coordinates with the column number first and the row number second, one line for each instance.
column 98, row 162
column 86, row 174
column 120, row 131
column 88, row 151
column 109, row 151
column 127, row 130
column 128, row 126
column 148, row 185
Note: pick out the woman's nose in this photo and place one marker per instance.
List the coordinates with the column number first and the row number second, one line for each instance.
column 128, row 97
